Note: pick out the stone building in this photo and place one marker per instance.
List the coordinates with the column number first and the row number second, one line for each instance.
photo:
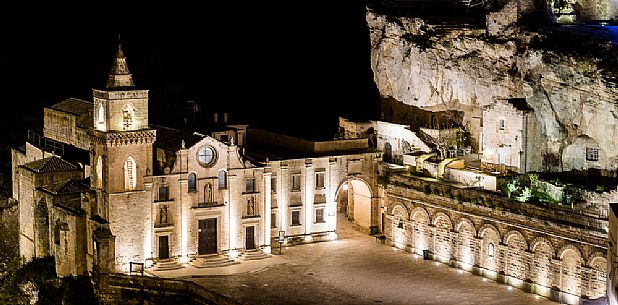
column 394, row 140
column 103, row 188
column 558, row 255
column 510, row 132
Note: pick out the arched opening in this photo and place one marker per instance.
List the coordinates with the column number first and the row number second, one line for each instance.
column 208, row 193
column 99, row 170
column 129, row 174
column 42, row 229
column 191, row 182
column 100, row 125
column 388, row 153
column 354, row 204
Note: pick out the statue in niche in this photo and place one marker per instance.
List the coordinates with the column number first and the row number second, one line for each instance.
column 208, row 192
column 163, row 214
column 250, row 207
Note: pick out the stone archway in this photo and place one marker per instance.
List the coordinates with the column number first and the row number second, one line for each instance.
column 354, row 201
column 388, row 153
column 42, row 229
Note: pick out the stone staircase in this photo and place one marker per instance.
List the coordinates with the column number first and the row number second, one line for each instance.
column 166, row 265
column 253, row 254
column 212, row 261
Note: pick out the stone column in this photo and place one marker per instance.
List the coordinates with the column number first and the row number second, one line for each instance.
column 232, row 209
column 309, row 190
column 149, row 242
column 184, row 214
column 331, row 201
column 283, row 203
column 267, row 208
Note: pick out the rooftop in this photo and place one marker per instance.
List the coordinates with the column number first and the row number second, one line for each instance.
column 50, row 164
column 171, row 139
column 74, row 106
column 67, row 187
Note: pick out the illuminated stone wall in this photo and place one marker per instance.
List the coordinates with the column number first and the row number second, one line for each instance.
column 513, row 145
column 561, row 262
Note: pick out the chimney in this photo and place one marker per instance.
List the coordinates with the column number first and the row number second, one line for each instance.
column 225, row 118
column 215, row 118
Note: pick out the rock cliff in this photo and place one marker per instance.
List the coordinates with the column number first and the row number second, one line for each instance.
column 567, row 78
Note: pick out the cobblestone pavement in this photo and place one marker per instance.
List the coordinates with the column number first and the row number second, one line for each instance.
column 357, row 270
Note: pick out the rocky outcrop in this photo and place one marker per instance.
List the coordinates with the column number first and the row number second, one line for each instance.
column 568, row 79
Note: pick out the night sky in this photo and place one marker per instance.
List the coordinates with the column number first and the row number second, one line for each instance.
column 294, row 68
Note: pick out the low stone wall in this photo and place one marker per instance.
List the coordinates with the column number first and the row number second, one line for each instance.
column 556, row 254
column 130, row 289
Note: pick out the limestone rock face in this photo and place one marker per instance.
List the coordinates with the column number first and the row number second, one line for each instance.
column 573, row 94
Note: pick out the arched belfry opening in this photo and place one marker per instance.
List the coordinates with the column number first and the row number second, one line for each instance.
column 354, row 201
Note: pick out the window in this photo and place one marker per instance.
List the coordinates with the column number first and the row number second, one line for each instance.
column 163, row 193
column 224, row 138
column 295, row 182
column 57, row 232
column 206, row 156
column 319, row 215
column 129, row 174
column 127, row 117
column 273, row 184
column 192, row 182
column 273, row 220
column 490, row 250
column 296, row 218
column 100, row 172
column 222, row 179
column 501, row 125
column 592, row 154
column 319, row 180
column 101, row 118
column 250, row 185
column 400, row 224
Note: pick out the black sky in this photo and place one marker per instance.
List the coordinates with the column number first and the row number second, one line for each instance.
column 308, row 61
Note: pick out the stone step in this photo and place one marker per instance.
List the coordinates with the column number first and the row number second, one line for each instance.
column 212, row 261
column 166, row 266
column 213, row 265
column 253, row 255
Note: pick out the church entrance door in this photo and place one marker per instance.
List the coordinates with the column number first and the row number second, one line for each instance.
column 250, row 238
column 207, row 236
column 164, row 247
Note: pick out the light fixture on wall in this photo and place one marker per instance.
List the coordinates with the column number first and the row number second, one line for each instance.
column 345, row 186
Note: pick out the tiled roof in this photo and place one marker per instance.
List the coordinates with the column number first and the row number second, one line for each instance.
column 74, row 106
column 67, row 187
column 50, row 164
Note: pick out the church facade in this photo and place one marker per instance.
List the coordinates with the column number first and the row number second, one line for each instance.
column 102, row 188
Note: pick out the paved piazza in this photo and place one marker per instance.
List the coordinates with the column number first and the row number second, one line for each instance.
column 352, row 270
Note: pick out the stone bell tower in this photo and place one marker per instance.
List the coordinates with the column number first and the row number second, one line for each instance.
column 121, row 157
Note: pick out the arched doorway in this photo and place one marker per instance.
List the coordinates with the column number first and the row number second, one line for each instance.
column 354, row 204
column 388, row 153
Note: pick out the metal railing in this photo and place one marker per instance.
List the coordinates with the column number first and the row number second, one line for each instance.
column 45, row 143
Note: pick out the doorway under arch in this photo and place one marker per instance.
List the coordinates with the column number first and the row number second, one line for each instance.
column 354, row 204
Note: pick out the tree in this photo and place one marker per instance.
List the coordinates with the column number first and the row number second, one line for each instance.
column 550, row 160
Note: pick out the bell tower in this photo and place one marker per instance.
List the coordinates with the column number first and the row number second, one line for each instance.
column 121, row 157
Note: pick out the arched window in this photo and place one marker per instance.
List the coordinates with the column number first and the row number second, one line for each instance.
column 99, row 170
column 222, row 179
column 490, row 250
column 127, row 117
column 57, row 232
column 192, row 182
column 129, row 174
column 101, row 118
